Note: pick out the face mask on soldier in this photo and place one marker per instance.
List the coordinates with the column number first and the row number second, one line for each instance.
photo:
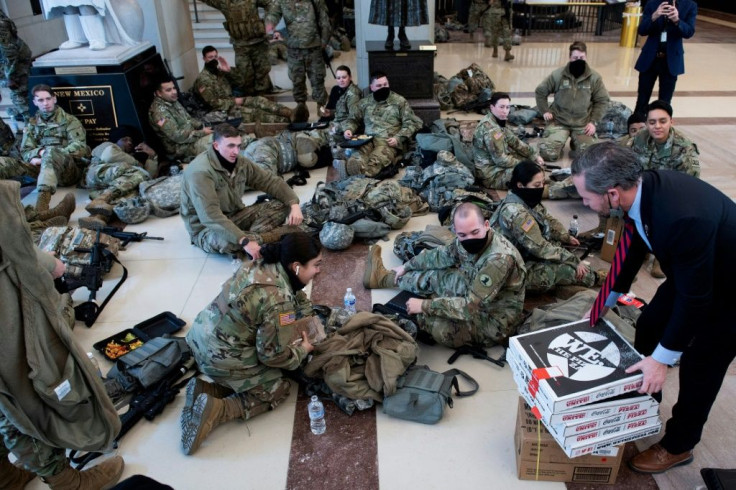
column 381, row 94
column 474, row 245
column 577, row 68
column 212, row 66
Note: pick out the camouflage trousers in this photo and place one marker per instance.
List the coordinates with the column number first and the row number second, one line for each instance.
column 555, row 136
column 13, row 167
column 119, row 178
column 58, row 169
column 496, row 28
column 260, row 109
column 305, row 63
column 277, row 51
column 492, row 177
column 449, row 332
column 259, row 399
column 374, row 156
column 564, row 189
column 257, row 218
column 252, row 67
column 19, row 97
column 34, row 455
column 544, row 276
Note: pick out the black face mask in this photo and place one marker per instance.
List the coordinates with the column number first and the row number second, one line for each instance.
column 530, row 195
column 211, row 66
column 474, row 245
column 577, row 68
column 381, row 94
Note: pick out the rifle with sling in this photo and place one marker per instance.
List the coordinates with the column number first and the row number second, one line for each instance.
column 126, row 237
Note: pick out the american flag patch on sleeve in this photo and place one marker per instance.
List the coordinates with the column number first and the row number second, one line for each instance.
column 287, row 318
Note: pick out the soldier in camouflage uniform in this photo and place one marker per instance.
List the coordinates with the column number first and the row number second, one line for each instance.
column 248, row 37
column 309, row 33
column 213, row 86
column 116, row 172
column 211, row 199
column 493, row 16
column 183, row 136
column 284, row 152
column 15, row 61
column 538, row 236
column 389, row 119
column 55, row 142
column 242, row 340
column 496, row 148
column 580, row 98
column 662, row 147
column 476, row 283
column 635, row 123
column 11, row 164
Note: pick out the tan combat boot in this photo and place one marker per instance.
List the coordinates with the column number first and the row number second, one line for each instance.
column 495, row 49
column 508, row 56
column 94, row 222
column 65, row 208
column 656, row 271
column 43, row 200
column 376, row 276
column 13, row 477
column 195, row 387
column 101, row 205
column 207, row 413
column 103, row 476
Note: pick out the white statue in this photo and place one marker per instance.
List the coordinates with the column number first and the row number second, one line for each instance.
column 98, row 22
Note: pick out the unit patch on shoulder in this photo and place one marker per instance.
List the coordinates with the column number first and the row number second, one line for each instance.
column 287, row 318
column 485, row 280
column 528, row 224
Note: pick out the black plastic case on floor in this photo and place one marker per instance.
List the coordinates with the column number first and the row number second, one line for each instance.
column 156, row 326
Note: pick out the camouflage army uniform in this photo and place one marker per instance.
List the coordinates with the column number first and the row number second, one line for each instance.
column 217, row 93
column 63, row 141
column 496, row 151
column 392, row 117
column 538, row 235
column 182, row 135
column 493, row 20
column 117, row 171
column 276, row 155
column 677, row 153
column 345, row 106
column 236, row 340
column 577, row 101
column 212, row 208
column 248, row 37
column 10, row 163
column 15, row 59
column 476, row 299
column 304, row 44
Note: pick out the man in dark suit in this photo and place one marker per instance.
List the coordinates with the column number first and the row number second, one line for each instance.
column 690, row 317
column 666, row 23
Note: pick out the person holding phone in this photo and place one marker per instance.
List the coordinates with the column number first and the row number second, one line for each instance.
column 665, row 23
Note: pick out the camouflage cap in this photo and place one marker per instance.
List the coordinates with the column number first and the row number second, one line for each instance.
column 133, row 210
column 336, row 236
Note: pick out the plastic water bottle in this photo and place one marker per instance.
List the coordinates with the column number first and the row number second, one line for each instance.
column 573, row 230
column 349, row 301
column 317, row 416
column 95, row 363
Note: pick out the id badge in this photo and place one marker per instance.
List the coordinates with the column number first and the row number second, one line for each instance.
column 663, row 37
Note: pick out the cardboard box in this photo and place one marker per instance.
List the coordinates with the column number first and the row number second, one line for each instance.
column 539, row 457
column 614, row 226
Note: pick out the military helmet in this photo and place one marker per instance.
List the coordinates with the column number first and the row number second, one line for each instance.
column 133, row 210
column 336, row 236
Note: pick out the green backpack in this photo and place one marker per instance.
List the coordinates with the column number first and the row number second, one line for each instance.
column 421, row 394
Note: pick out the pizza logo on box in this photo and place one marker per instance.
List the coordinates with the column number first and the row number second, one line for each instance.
column 584, row 356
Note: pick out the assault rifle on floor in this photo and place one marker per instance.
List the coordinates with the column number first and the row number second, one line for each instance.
column 477, row 352
column 127, row 236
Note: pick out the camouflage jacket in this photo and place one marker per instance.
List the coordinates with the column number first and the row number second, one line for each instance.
column 15, row 55
column 346, row 105
column 495, row 280
column 110, row 153
column 494, row 146
column 392, row 117
column 214, row 90
column 534, row 232
column 301, row 22
column 577, row 101
column 677, row 153
column 58, row 129
column 209, row 194
column 177, row 130
column 241, row 19
column 7, row 141
column 237, row 335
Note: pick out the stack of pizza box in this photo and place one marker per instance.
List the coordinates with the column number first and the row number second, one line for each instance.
column 574, row 378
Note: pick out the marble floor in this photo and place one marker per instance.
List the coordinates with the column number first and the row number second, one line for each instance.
column 473, row 446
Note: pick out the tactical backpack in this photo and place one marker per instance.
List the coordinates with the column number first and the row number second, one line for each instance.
column 409, row 244
column 473, row 194
column 421, row 394
column 445, row 135
column 436, row 183
column 164, row 194
column 67, row 241
column 473, row 81
column 615, row 119
column 522, row 115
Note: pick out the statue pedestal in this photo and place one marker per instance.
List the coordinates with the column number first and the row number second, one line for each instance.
column 102, row 89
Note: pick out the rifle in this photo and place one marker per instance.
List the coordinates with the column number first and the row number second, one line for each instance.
column 127, row 236
column 328, row 61
column 90, row 276
column 477, row 352
column 146, row 404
